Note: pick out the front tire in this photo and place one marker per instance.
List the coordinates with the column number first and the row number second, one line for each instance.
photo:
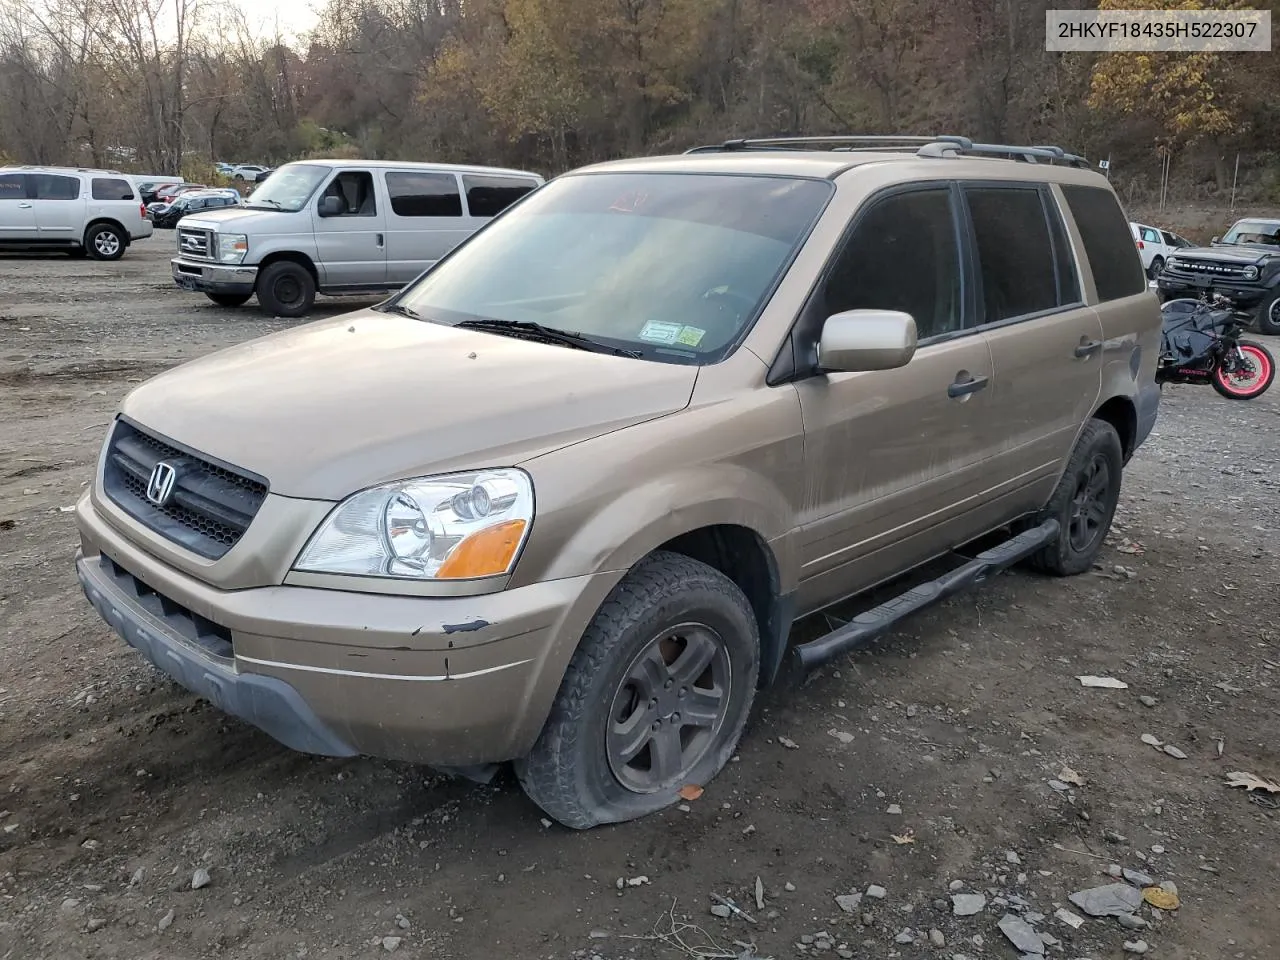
column 286, row 289
column 1256, row 382
column 656, row 696
column 229, row 299
column 1157, row 265
column 104, row 242
column 1084, row 502
column 1268, row 319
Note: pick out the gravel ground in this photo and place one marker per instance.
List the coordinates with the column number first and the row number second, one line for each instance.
column 929, row 766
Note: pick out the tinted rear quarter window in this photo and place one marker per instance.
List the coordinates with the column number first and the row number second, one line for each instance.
column 488, row 196
column 50, row 186
column 111, row 188
column 1117, row 270
column 13, row 186
column 1015, row 252
column 417, row 194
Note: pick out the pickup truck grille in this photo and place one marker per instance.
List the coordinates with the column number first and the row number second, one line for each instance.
column 1208, row 268
column 195, row 243
column 206, row 507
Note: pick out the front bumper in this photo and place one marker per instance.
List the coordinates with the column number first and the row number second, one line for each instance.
column 213, row 277
column 1247, row 295
column 447, row 681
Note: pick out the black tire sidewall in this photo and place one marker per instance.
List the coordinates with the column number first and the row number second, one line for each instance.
column 1060, row 558
column 266, row 289
column 92, row 235
column 1153, row 271
column 607, row 649
column 1265, row 325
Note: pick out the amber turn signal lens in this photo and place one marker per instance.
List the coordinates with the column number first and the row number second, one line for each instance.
column 483, row 554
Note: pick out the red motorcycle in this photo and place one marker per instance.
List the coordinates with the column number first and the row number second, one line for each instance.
column 1200, row 343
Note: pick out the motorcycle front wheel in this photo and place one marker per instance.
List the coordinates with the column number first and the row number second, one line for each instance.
column 1254, row 370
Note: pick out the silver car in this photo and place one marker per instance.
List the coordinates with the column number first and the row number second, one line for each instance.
column 339, row 227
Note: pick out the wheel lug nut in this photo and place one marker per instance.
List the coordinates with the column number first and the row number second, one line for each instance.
column 675, row 718
column 656, row 724
column 653, row 704
column 667, row 685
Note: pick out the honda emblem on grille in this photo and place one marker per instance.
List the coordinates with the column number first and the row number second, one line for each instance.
column 160, row 486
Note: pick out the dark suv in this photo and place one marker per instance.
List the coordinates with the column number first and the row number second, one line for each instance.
column 1244, row 265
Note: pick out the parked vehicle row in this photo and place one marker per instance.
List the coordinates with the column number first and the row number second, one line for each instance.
column 250, row 172
column 167, row 215
column 97, row 213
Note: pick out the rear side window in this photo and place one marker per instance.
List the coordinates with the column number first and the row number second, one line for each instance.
column 110, row 188
column 488, row 196
column 1016, row 255
column 1117, row 269
column 50, row 186
column 13, row 186
column 416, row 194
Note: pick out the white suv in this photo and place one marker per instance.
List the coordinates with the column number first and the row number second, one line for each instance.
column 1155, row 246
column 92, row 212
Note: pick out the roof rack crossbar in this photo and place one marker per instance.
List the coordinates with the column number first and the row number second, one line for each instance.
column 935, row 147
column 1036, row 154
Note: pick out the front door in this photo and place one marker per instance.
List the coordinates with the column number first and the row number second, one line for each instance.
column 351, row 246
column 59, row 207
column 1046, row 343
column 17, row 212
column 895, row 458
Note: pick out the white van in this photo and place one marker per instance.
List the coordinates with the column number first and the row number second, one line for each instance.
column 93, row 212
column 339, row 227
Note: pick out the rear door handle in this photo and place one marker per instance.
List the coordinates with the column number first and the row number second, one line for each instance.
column 962, row 388
column 1088, row 347
column 24, row 206
column 379, row 241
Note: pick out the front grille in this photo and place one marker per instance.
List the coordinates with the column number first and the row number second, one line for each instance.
column 210, row 505
column 1209, row 268
column 210, row 637
column 195, row 243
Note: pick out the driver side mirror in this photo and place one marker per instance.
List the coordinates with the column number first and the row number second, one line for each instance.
column 330, row 207
column 855, row 341
column 1215, row 239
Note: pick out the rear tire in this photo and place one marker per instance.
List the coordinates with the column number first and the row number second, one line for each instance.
column 229, row 299
column 1268, row 319
column 105, row 242
column 675, row 635
column 1084, row 502
column 286, row 289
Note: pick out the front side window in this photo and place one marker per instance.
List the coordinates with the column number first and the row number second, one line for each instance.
column 415, row 193
column 50, row 186
column 111, row 188
column 674, row 267
column 902, row 255
column 355, row 189
column 289, row 188
column 13, row 186
column 488, row 196
column 1117, row 269
column 1015, row 253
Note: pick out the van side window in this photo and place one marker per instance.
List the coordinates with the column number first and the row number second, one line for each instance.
column 1117, row 269
column 110, row 188
column 50, row 186
column 355, row 189
column 13, row 186
column 1015, row 254
column 902, row 255
column 415, row 194
column 488, row 196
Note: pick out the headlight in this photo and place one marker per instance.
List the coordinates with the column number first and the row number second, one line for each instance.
column 453, row 527
column 1250, row 273
column 232, row 247
column 1173, row 262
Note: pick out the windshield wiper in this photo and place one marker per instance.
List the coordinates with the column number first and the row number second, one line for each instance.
column 536, row 331
column 252, row 202
column 400, row 310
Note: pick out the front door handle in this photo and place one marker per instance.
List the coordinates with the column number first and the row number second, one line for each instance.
column 24, row 206
column 1088, row 348
column 962, row 388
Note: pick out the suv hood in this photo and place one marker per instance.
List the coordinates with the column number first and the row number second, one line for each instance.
column 331, row 407
column 1241, row 253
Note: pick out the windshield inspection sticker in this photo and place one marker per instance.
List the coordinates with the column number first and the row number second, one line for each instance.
column 690, row 336
column 655, row 331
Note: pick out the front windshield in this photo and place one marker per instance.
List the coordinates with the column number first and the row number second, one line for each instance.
column 672, row 266
column 1254, row 231
column 289, row 188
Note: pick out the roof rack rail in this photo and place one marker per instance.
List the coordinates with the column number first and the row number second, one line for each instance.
column 938, row 147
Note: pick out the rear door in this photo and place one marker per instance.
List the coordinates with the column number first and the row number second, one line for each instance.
column 60, row 207
column 1046, row 342
column 425, row 220
column 895, row 458
column 17, row 212
column 352, row 246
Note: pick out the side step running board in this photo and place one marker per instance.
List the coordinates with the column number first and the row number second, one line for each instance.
column 877, row 621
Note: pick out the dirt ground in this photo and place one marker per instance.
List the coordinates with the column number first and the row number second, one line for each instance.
column 116, row 785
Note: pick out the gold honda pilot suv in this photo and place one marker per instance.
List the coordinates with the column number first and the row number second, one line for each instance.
column 560, row 499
